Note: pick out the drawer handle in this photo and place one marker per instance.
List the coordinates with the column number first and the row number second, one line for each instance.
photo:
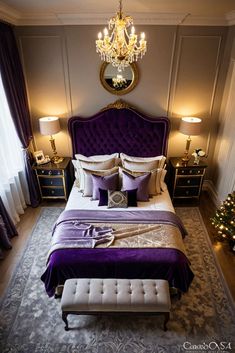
column 190, row 172
column 52, row 191
column 42, row 171
column 51, row 182
column 188, row 181
column 198, row 171
column 182, row 171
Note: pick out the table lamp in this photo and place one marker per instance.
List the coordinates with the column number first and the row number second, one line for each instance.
column 50, row 125
column 189, row 126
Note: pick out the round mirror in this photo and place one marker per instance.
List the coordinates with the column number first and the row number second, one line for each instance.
column 118, row 82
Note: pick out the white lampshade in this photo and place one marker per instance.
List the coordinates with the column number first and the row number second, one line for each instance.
column 49, row 125
column 190, row 126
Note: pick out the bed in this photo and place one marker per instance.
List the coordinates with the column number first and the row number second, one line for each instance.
column 158, row 253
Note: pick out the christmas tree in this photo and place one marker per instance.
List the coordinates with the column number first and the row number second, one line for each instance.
column 224, row 220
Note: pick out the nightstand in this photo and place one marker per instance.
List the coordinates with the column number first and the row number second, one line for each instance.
column 185, row 181
column 54, row 180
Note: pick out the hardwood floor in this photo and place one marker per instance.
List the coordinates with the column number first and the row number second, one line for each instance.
column 224, row 255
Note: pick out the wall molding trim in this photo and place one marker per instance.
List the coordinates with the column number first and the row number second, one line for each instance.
column 209, row 186
column 17, row 18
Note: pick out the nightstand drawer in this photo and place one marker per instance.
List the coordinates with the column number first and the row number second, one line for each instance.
column 53, row 181
column 190, row 171
column 49, row 172
column 52, row 192
column 186, row 192
column 193, row 181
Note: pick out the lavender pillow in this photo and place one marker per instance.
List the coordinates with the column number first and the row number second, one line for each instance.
column 129, row 182
column 108, row 182
column 131, row 197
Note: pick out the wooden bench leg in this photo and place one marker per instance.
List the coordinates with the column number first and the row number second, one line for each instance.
column 64, row 318
column 167, row 317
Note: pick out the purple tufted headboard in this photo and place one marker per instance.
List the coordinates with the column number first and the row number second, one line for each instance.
column 119, row 130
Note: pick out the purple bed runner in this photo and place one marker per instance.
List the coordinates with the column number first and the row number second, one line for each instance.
column 160, row 263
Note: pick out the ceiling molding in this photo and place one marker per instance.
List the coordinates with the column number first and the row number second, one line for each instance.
column 17, row 18
column 205, row 21
column 8, row 14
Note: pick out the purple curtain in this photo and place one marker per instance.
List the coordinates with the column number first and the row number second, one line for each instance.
column 14, row 85
column 7, row 230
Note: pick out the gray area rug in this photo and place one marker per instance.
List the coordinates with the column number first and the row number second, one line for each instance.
column 30, row 322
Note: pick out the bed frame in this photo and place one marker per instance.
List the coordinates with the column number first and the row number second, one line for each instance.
column 119, row 128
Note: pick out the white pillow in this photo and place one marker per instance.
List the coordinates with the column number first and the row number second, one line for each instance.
column 163, row 184
column 98, row 157
column 87, row 181
column 141, row 166
column 143, row 159
column 90, row 165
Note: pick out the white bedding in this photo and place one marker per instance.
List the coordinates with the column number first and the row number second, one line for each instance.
column 160, row 203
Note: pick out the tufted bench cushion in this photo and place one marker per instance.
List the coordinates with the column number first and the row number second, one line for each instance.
column 94, row 295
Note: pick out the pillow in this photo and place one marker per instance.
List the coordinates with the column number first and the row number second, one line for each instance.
column 140, row 166
column 154, row 186
column 163, row 184
column 98, row 157
column 131, row 198
column 160, row 158
column 117, row 199
column 90, row 165
column 130, row 182
column 108, row 182
column 88, row 183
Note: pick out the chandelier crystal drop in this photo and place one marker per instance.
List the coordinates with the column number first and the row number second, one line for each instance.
column 120, row 48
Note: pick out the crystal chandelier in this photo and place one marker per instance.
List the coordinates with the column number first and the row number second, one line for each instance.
column 120, row 48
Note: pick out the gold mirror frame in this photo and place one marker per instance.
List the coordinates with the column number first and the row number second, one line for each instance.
column 119, row 92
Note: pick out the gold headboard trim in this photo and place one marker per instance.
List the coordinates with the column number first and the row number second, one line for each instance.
column 118, row 104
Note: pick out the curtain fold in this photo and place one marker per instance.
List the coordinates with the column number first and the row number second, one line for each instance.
column 15, row 90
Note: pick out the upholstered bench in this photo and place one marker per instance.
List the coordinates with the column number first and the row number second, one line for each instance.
column 94, row 296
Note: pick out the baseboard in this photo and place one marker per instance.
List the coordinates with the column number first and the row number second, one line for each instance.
column 210, row 188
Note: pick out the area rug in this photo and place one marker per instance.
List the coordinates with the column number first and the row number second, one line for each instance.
column 202, row 321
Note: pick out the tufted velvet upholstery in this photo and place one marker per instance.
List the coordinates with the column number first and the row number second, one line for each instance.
column 119, row 130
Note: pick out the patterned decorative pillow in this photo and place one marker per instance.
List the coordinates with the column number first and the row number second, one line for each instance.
column 131, row 198
column 117, row 199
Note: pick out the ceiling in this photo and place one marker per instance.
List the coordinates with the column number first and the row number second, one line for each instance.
column 56, row 12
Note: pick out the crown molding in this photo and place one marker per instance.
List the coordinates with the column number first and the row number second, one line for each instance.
column 205, row 21
column 17, row 18
column 8, row 14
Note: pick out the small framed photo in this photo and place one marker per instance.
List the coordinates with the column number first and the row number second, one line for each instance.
column 39, row 157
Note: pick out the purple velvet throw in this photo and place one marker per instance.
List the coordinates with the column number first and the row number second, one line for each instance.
column 144, row 217
column 153, row 263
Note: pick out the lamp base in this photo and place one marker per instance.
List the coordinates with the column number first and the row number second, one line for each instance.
column 185, row 159
column 57, row 159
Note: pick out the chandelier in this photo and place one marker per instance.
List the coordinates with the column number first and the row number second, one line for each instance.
column 120, row 48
